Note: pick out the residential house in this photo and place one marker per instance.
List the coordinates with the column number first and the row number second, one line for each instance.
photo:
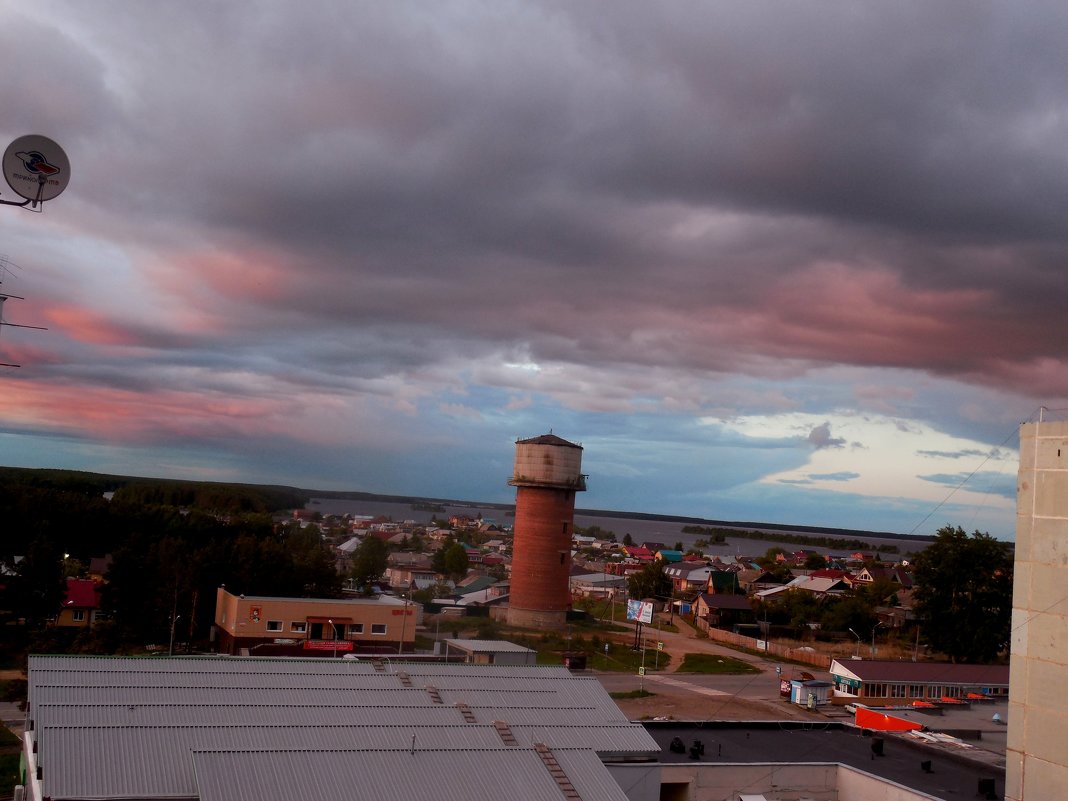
column 598, row 585
column 410, row 570
column 669, row 555
column 718, row 610
column 820, row 587
column 755, row 580
column 873, row 573
column 723, row 582
column 81, row 605
column 688, row 577
column 99, row 567
column 639, row 553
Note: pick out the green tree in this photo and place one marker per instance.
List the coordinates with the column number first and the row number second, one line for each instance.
column 963, row 594
column 627, row 539
column 38, row 587
column 455, row 561
column 769, row 559
column 369, row 562
column 649, row 582
column 848, row 612
column 815, row 561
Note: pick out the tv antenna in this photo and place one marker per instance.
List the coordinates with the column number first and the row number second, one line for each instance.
column 37, row 169
column 5, row 268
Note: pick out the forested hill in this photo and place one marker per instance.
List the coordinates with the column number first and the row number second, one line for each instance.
column 208, row 496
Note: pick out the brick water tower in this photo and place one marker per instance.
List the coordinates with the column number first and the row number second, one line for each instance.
column 548, row 473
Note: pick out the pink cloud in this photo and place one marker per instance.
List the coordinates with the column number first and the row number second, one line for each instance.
column 83, row 325
column 127, row 416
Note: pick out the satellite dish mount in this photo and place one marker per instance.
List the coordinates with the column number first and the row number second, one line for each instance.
column 37, row 169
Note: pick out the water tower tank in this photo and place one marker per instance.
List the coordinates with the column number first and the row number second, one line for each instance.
column 548, row 461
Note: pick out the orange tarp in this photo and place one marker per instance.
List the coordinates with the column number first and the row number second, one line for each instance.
column 870, row 719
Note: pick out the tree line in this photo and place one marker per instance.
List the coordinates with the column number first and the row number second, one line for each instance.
column 167, row 561
column 720, row 535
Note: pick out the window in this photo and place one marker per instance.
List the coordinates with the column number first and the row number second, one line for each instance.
column 274, row 625
column 897, row 690
column 356, row 628
column 378, row 628
column 875, row 690
column 299, row 628
column 915, row 691
column 79, row 615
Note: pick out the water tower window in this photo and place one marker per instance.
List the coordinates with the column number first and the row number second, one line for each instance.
column 563, row 555
column 563, row 529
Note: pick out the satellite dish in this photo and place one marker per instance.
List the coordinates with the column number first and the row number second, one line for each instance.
column 36, row 168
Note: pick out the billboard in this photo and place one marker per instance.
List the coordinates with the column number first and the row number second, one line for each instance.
column 640, row 611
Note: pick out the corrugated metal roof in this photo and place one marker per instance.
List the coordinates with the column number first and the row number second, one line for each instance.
column 87, row 715
column 43, row 664
column 514, row 774
column 155, row 759
column 124, row 727
column 150, row 711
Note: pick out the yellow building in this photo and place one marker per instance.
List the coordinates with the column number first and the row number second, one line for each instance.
column 314, row 626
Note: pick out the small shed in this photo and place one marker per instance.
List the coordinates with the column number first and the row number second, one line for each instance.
column 491, row 652
column 810, row 693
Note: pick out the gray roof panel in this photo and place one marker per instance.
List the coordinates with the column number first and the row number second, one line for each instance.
column 514, row 774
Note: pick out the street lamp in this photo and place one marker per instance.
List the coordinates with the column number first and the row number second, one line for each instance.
column 880, row 623
column 856, row 651
column 174, row 621
column 334, row 628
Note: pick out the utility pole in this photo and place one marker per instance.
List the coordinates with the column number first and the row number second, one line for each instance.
column 174, row 620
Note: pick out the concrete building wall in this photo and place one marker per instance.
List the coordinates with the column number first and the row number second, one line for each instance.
column 361, row 623
column 823, row 781
column 1037, row 766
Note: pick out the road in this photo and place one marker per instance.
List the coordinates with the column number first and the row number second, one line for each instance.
column 697, row 696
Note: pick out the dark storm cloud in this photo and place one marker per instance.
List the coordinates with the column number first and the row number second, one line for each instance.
column 623, row 209
column 820, row 437
column 987, row 482
column 406, row 163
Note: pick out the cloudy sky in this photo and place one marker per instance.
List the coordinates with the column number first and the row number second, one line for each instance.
column 765, row 261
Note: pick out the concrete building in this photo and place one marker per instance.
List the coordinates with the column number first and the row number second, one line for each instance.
column 1037, row 767
column 904, row 682
column 491, row 652
column 262, row 625
column 547, row 474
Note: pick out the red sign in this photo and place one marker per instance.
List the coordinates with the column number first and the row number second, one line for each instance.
column 327, row 645
column 403, row 612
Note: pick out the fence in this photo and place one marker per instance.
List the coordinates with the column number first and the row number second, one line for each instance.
column 822, row 661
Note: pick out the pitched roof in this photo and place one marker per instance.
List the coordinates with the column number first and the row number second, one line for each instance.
column 722, row 601
column 82, row 594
